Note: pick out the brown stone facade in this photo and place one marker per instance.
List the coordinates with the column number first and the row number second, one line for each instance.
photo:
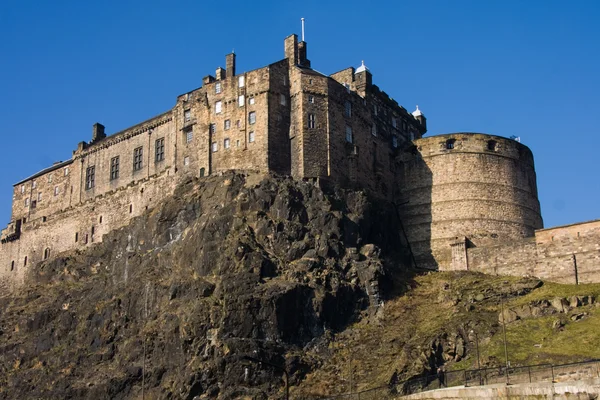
column 284, row 118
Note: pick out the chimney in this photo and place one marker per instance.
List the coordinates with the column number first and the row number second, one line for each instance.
column 291, row 49
column 230, row 64
column 98, row 132
column 220, row 73
column 302, row 60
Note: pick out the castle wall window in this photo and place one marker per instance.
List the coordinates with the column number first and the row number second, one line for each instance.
column 90, row 177
column 241, row 100
column 394, row 122
column 27, row 202
column 138, row 158
column 76, row 237
column 282, row 99
column 348, row 109
column 492, row 145
column 12, row 265
column 33, row 203
column 189, row 135
column 50, row 178
column 218, row 107
column 252, row 118
column 251, row 101
column 251, row 137
column 202, row 171
column 227, row 124
column 218, row 87
column 33, row 184
column 241, row 81
column 311, row 121
column 22, row 188
column 394, row 141
column 215, row 147
column 450, row 144
column 46, row 253
column 25, row 261
column 237, row 143
column 375, row 109
column 56, row 190
column 159, row 150
column 238, row 123
column 285, row 80
column 67, row 171
column 311, row 99
column 114, row 168
column 39, row 196
column 187, row 115
column 349, row 137
column 212, row 128
column 226, row 143
column 374, row 130
column 186, row 161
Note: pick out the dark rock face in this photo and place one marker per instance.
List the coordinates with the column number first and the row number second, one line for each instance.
column 229, row 267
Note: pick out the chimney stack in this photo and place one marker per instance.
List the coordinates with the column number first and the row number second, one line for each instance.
column 220, row 73
column 302, row 58
column 291, row 49
column 98, row 132
column 230, row 64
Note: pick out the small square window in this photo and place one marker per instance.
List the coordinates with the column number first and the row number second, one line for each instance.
column 311, row 99
column 189, row 135
column 186, row 160
column 227, row 124
column 251, row 101
column 241, row 100
column 187, row 115
column 282, row 99
column 218, row 87
column 226, row 143
column 241, row 81
column 215, row 147
column 349, row 137
column 252, row 118
column 251, row 137
column 450, row 144
column 218, row 106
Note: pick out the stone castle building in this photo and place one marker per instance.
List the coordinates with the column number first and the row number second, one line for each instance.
column 461, row 192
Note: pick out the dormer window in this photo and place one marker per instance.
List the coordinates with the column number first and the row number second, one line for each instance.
column 450, row 144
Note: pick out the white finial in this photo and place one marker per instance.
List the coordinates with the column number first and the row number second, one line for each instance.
column 302, row 19
column 417, row 112
column 362, row 67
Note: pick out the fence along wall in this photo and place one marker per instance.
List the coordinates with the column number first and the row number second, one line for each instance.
column 564, row 254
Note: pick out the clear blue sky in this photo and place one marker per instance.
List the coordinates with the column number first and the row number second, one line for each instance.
column 529, row 68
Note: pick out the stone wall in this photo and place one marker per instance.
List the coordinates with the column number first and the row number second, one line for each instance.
column 477, row 186
column 565, row 254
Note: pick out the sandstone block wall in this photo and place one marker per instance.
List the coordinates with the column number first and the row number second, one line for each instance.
column 477, row 186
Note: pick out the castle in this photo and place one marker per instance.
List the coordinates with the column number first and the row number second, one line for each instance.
column 463, row 194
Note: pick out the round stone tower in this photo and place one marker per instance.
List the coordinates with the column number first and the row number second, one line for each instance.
column 465, row 190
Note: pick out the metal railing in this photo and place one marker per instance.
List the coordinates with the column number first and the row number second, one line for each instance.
column 478, row 377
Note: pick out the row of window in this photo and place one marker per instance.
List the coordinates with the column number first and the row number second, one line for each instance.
column 241, row 83
column 50, row 177
column 189, row 132
column 227, row 142
column 115, row 163
column 492, row 145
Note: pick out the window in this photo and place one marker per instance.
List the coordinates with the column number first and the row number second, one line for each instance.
column 450, row 144
column 186, row 161
column 238, row 123
column 212, row 128
column 227, row 124
column 492, row 145
column 251, row 101
column 27, row 202
column 375, row 109
column 285, row 80
column 46, row 253
column 159, row 146
column 241, row 81
column 252, row 118
column 227, row 143
column 138, row 158
column 33, row 203
column 394, row 122
column 12, row 265
column 218, row 87
column 67, row 171
column 25, row 261
column 311, row 121
column 50, row 178
column 33, row 184
column 56, row 190
column 348, row 109
column 310, row 81
column 22, row 188
column 348, row 134
column 187, row 115
column 282, row 99
column 90, row 177
column 237, row 143
column 40, row 196
column 374, row 130
column 412, row 136
column 218, row 106
column 251, row 137
column 241, row 100
column 76, row 237
column 215, row 147
column 202, row 171
column 189, row 135
column 311, row 99
column 394, row 141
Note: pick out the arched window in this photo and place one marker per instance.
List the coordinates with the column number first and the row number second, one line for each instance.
column 202, row 172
